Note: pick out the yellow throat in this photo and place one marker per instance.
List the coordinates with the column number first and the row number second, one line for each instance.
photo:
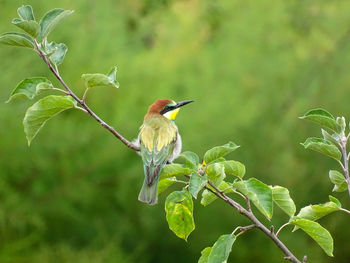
column 171, row 115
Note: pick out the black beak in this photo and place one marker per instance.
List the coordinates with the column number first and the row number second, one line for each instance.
column 183, row 103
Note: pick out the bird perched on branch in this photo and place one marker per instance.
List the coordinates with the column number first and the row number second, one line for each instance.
column 159, row 142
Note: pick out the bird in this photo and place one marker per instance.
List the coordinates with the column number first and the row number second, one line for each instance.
column 160, row 143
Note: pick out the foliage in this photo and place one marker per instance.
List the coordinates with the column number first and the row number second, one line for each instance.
column 227, row 187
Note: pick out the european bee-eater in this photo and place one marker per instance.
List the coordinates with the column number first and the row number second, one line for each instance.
column 159, row 142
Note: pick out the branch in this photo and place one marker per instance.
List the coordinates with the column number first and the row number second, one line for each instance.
column 82, row 102
column 345, row 167
column 247, row 213
column 288, row 255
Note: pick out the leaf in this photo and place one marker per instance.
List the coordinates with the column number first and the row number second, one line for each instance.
column 323, row 118
column 43, row 110
column 58, row 54
column 322, row 146
column 221, row 249
column 259, row 193
column 234, row 168
column 179, row 213
column 331, row 138
column 341, row 122
column 192, row 159
column 26, row 21
column 204, row 255
column 208, row 197
column 338, row 180
column 165, row 183
column 25, row 12
column 216, row 173
column 101, row 80
column 174, row 169
column 30, row 87
column 315, row 212
column 31, row 27
column 51, row 19
column 316, row 232
column 334, row 200
column 282, row 198
column 197, row 183
column 16, row 39
column 219, row 151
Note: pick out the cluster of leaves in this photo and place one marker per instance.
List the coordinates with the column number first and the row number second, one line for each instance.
column 333, row 144
column 227, row 176
column 211, row 177
column 35, row 38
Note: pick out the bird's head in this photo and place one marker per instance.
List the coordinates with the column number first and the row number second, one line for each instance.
column 167, row 108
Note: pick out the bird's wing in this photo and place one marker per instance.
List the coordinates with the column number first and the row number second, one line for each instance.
column 157, row 145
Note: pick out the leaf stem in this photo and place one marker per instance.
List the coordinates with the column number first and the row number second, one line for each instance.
column 82, row 102
column 283, row 226
column 345, row 210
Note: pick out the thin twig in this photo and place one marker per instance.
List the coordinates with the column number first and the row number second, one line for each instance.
column 283, row 226
column 82, row 103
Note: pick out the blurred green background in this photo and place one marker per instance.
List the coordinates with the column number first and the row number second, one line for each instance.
column 252, row 67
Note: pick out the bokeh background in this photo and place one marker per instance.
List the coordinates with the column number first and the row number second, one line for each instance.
column 252, row 67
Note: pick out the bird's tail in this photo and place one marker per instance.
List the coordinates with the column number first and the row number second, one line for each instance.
column 149, row 190
column 149, row 193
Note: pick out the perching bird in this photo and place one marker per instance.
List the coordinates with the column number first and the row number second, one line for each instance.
column 159, row 142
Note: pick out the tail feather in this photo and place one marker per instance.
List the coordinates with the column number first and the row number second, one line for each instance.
column 149, row 192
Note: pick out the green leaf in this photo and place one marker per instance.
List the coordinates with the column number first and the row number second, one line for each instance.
column 197, row 183
column 26, row 21
column 25, row 12
column 174, row 169
column 216, row 173
column 43, row 110
column 219, row 151
column 101, row 80
column 51, row 19
column 338, row 180
column 259, row 193
column 315, row 212
column 221, row 249
column 192, row 159
column 31, row 27
column 58, row 54
column 331, row 138
column 204, row 255
column 323, row 118
column 16, row 39
column 341, row 122
column 179, row 213
column 316, row 232
column 30, row 87
column 282, row 198
column 208, row 197
column 165, row 183
column 234, row 168
column 334, row 200
column 322, row 146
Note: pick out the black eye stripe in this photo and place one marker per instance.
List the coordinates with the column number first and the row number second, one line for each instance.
column 166, row 109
